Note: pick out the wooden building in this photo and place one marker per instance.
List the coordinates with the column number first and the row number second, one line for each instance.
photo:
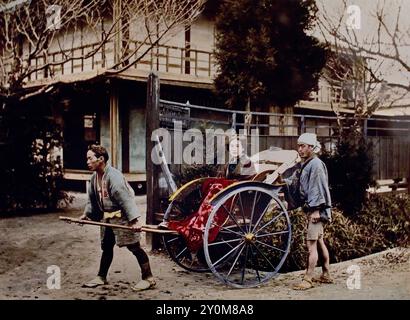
column 96, row 106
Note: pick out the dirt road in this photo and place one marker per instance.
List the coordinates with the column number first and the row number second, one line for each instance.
column 32, row 245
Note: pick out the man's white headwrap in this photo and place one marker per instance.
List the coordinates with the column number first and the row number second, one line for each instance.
column 311, row 140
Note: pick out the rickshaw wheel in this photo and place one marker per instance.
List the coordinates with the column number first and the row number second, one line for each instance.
column 247, row 235
column 182, row 206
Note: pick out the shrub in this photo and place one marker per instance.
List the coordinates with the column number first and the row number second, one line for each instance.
column 31, row 167
column 350, row 172
column 383, row 223
column 342, row 237
column 189, row 173
column 47, row 169
column 388, row 216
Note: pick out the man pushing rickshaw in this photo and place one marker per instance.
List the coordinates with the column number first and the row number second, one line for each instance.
column 236, row 225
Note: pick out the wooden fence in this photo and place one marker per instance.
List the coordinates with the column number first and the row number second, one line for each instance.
column 390, row 138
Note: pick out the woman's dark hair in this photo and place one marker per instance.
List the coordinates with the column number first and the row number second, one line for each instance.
column 99, row 151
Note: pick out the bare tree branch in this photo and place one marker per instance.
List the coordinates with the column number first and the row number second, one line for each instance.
column 373, row 56
column 87, row 30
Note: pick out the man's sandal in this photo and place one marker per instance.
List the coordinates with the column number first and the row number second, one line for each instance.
column 323, row 279
column 96, row 282
column 304, row 284
column 144, row 285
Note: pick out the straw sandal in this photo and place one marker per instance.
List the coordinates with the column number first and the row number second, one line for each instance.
column 144, row 285
column 304, row 284
column 323, row 279
column 96, row 282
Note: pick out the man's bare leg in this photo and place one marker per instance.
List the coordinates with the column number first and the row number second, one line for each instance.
column 312, row 259
column 307, row 281
column 326, row 259
column 325, row 276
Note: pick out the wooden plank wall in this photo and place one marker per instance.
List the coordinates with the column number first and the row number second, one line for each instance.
column 391, row 155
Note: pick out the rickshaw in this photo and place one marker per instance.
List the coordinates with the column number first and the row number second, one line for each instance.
column 238, row 230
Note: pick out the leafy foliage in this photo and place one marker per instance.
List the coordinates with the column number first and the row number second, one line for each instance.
column 195, row 171
column 264, row 53
column 192, row 172
column 350, row 172
column 383, row 223
column 388, row 216
column 31, row 166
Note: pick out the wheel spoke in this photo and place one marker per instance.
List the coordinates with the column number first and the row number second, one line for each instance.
column 263, row 255
column 271, row 234
column 232, row 217
column 256, row 264
column 236, row 260
column 228, row 254
column 243, row 211
column 260, row 218
column 270, row 222
column 253, row 211
column 269, row 246
column 179, row 206
column 223, row 229
column 223, row 242
column 181, row 252
column 173, row 239
column 244, row 265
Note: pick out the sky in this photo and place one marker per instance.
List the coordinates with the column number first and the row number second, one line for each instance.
column 360, row 18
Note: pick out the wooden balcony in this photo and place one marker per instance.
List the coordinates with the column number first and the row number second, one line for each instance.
column 175, row 65
column 80, row 63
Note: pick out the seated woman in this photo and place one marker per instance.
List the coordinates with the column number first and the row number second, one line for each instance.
column 239, row 166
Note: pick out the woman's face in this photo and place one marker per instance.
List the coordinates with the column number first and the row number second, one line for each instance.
column 235, row 148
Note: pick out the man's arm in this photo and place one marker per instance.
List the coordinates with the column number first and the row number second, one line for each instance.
column 88, row 207
column 135, row 225
column 318, row 190
column 315, row 216
column 318, row 195
column 123, row 196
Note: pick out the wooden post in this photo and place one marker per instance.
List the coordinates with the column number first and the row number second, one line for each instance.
column 82, row 58
column 152, row 170
column 117, row 8
column 233, row 125
column 408, row 184
column 29, row 60
column 365, row 128
column 302, row 125
column 114, row 124
column 209, row 65
column 167, row 59
column 196, row 62
column 72, row 61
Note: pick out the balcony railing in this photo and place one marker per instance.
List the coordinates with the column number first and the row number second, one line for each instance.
column 169, row 59
column 328, row 94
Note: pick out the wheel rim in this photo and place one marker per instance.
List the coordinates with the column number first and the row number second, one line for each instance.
column 175, row 245
column 253, row 240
